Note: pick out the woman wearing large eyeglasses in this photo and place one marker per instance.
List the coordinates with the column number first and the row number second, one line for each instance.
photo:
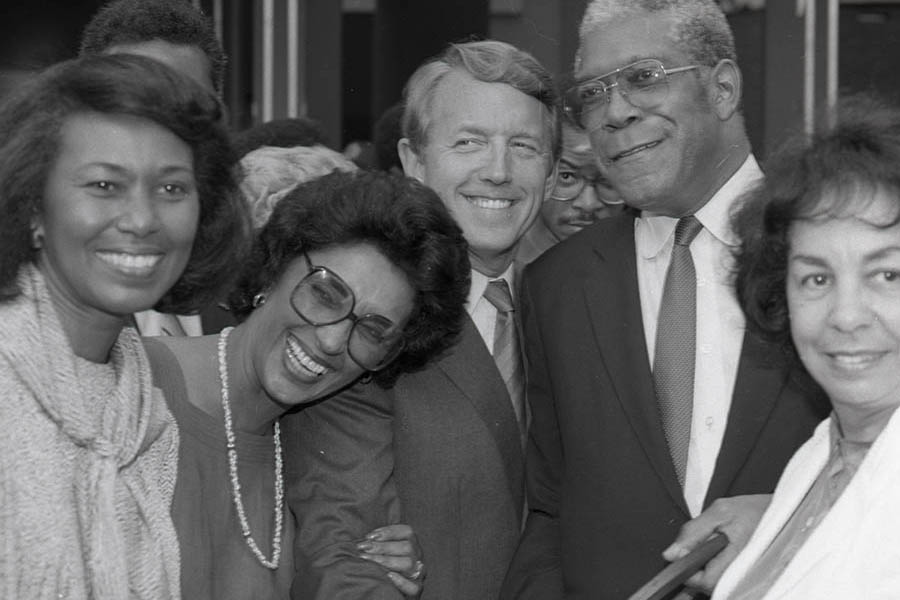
column 353, row 276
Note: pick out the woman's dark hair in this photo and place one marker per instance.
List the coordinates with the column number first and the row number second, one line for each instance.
column 400, row 217
column 386, row 134
column 121, row 84
column 281, row 133
column 831, row 175
column 174, row 21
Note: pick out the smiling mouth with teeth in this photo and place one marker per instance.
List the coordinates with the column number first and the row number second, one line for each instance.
column 490, row 203
column 134, row 263
column 302, row 359
column 857, row 360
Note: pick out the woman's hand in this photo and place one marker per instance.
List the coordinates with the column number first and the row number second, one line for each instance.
column 396, row 548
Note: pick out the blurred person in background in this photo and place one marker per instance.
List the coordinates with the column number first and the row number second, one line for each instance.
column 281, row 133
column 271, row 172
column 174, row 32
column 580, row 197
column 388, row 133
column 362, row 153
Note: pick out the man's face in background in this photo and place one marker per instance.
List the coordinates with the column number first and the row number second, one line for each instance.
column 581, row 195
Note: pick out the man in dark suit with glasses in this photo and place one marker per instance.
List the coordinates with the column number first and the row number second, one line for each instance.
column 649, row 399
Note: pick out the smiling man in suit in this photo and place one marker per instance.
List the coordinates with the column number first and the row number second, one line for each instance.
column 481, row 128
column 649, row 400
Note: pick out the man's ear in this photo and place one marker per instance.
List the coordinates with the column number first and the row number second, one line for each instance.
column 412, row 165
column 725, row 88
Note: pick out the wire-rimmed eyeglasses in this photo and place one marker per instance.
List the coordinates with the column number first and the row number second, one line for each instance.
column 570, row 182
column 644, row 84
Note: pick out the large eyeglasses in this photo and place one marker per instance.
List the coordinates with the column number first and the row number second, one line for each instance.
column 643, row 83
column 323, row 298
column 570, row 182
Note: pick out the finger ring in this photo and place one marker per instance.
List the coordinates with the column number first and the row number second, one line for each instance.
column 418, row 570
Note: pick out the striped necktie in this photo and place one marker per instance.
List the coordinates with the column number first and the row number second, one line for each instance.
column 506, row 351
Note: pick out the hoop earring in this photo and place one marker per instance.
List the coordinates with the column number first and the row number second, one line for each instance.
column 37, row 238
column 258, row 300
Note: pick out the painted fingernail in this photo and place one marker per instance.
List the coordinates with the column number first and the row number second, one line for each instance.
column 375, row 535
column 365, row 546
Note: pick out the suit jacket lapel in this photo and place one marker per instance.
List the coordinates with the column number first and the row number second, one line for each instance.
column 854, row 516
column 519, row 267
column 760, row 380
column 471, row 368
column 800, row 474
column 613, row 303
column 827, row 535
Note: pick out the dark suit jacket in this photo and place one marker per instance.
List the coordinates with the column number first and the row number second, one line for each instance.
column 603, row 495
column 458, row 470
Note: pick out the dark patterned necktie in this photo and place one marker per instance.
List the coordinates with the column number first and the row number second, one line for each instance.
column 676, row 339
column 506, row 352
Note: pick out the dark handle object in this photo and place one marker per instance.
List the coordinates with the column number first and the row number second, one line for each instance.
column 680, row 570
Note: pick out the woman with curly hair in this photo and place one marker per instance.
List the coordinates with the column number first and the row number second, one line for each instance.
column 353, row 276
column 819, row 271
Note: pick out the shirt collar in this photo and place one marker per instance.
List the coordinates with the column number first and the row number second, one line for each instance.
column 480, row 282
column 844, row 454
column 715, row 216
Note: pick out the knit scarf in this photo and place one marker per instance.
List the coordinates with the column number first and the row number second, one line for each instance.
column 122, row 445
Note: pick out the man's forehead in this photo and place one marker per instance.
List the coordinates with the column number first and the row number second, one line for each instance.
column 461, row 89
column 459, row 83
column 629, row 39
column 187, row 59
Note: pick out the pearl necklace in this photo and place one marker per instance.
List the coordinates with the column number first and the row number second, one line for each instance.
column 233, row 468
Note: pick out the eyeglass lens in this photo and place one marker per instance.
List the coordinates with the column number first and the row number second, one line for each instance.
column 568, row 185
column 323, row 298
column 640, row 82
column 570, row 182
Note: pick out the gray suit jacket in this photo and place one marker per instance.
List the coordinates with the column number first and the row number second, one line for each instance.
column 458, row 473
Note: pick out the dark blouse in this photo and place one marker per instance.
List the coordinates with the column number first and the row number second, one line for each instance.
column 216, row 562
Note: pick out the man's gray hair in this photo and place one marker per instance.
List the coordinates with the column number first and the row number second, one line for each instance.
column 700, row 26
column 489, row 61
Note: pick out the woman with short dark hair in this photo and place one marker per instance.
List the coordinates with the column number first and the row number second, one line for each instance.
column 354, row 276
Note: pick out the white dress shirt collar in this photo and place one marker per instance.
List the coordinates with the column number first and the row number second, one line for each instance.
column 715, row 216
column 480, row 282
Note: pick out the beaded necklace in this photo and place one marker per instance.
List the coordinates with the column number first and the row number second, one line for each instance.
column 233, row 468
